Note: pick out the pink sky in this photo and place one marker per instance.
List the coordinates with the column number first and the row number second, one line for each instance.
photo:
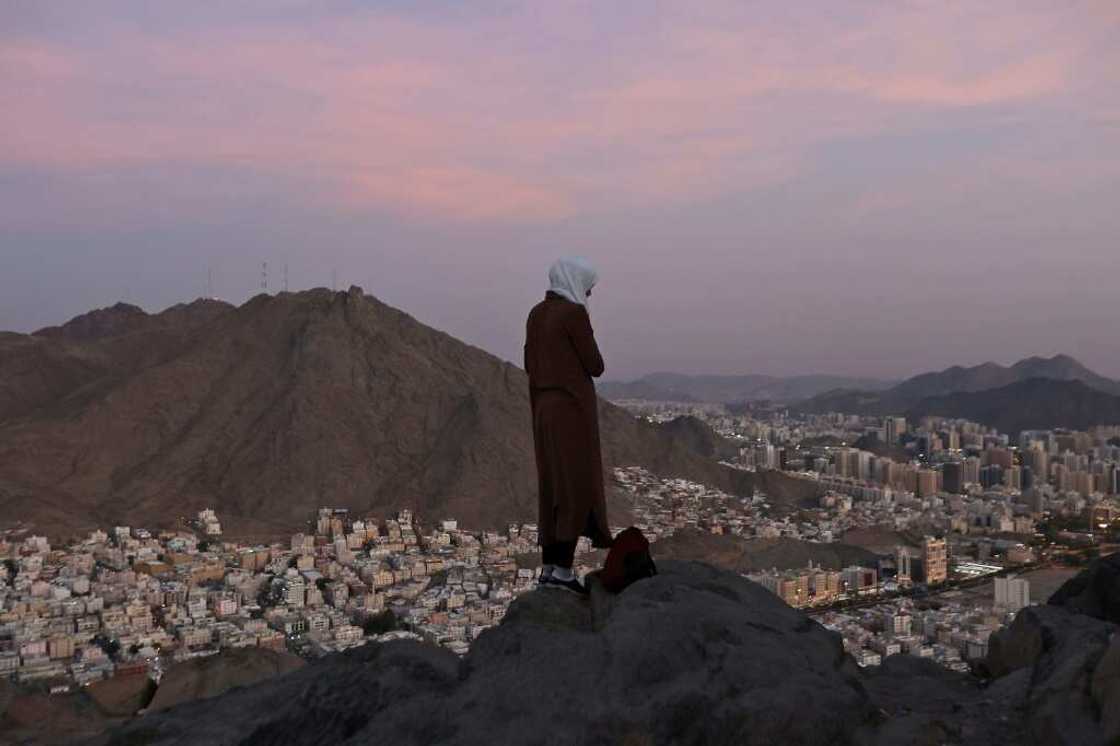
column 856, row 187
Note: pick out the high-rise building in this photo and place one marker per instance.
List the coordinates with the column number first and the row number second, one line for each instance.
column 1012, row 593
column 886, row 471
column 991, row 475
column 927, row 482
column 1013, row 478
column 859, row 579
column 1000, row 457
column 903, row 561
column 1037, row 459
column 863, row 465
column 935, row 560
column 971, row 470
column 1083, row 483
column 295, row 590
column 952, row 475
column 895, row 428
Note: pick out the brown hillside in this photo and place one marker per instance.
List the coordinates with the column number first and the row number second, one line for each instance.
column 269, row 410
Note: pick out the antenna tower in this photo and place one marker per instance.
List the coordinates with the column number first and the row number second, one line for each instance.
column 210, row 282
column 285, row 278
column 264, row 276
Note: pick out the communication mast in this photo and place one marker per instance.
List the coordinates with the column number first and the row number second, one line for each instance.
column 285, row 278
column 264, row 276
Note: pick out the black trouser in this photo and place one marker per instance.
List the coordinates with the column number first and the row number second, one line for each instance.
column 561, row 554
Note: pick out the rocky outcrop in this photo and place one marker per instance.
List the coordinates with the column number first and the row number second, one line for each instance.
column 695, row 655
column 1060, row 664
column 1094, row 592
column 209, row 677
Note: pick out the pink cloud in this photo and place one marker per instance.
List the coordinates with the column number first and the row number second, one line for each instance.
column 461, row 122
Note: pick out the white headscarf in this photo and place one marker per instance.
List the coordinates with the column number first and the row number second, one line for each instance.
column 571, row 277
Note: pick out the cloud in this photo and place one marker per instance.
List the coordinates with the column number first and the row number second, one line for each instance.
column 525, row 116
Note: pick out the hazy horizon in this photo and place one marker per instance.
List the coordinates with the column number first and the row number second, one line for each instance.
column 865, row 190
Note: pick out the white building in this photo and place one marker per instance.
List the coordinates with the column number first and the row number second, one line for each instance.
column 1012, row 593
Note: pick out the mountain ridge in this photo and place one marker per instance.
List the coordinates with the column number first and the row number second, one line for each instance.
column 271, row 409
column 916, row 394
column 1033, row 404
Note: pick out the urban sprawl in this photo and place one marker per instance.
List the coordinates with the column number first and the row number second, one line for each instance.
column 967, row 502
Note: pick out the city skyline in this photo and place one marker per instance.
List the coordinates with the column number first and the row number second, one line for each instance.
column 873, row 191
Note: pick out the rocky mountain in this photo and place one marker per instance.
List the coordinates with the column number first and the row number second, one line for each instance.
column 693, row 656
column 722, row 389
column 99, row 347
column 271, row 409
column 1034, row 404
column 699, row 437
column 912, row 394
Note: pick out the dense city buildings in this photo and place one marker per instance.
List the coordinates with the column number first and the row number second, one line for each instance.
column 967, row 501
column 131, row 601
column 964, row 501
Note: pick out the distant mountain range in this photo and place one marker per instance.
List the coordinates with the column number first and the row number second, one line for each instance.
column 991, row 376
column 1034, row 404
column 723, row 389
column 1033, row 393
column 1037, row 392
column 269, row 410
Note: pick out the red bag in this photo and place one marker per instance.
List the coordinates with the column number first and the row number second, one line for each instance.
column 628, row 561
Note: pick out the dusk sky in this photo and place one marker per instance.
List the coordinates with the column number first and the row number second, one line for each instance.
column 855, row 187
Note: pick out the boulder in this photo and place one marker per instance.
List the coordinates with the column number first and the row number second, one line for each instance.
column 1105, row 689
column 925, row 704
column 1038, row 630
column 1061, row 669
column 1095, row 591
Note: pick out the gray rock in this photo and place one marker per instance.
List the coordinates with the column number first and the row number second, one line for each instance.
column 1105, row 688
column 1095, row 591
column 398, row 685
column 1038, row 630
column 1067, row 674
column 925, row 704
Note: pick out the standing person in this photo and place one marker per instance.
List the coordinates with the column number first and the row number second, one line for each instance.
column 561, row 358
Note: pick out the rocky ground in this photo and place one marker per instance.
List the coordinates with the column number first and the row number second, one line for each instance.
column 209, row 677
column 696, row 655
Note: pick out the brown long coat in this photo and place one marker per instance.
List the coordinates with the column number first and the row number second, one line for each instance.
column 561, row 358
